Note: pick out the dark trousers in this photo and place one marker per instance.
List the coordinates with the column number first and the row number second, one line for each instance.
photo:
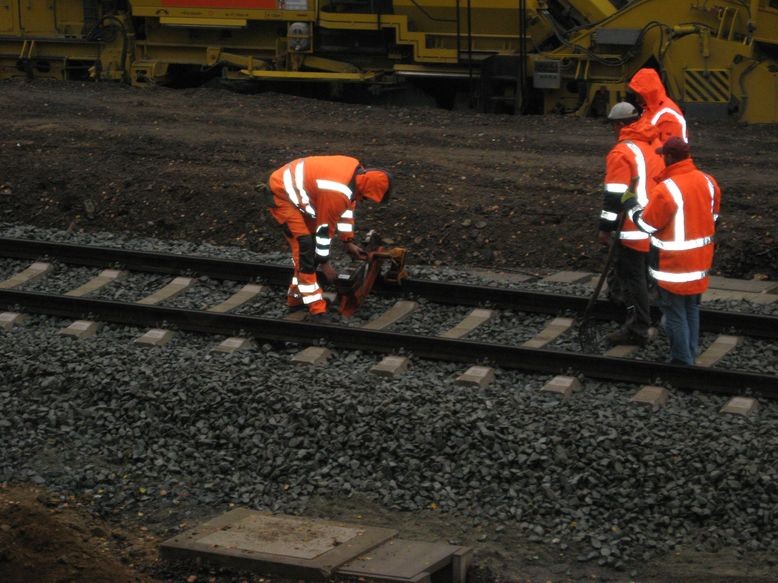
column 630, row 289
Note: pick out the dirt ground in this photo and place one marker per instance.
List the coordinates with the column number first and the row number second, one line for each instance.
column 491, row 191
column 472, row 189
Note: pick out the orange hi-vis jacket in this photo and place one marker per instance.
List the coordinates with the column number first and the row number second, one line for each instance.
column 322, row 189
column 660, row 110
column 633, row 157
column 680, row 218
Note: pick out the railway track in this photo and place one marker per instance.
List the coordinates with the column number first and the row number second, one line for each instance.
column 534, row 357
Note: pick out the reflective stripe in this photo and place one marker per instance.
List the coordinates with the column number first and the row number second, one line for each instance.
column 347, row 214
column 294, row 280
column 677, row 277
column 311, row 299
column 308, row 288
column 616, row 188
column 609, row 216
column 289, row 187
column 323, row 241
column 345, row 228
column 336, row 186
column 681, row 245
column 299, row 180
column 712, row 192
column 301, row 200
column 679, row 224
column 633, row 235
column 677, row 115
column 641, row 224
column 640, row 162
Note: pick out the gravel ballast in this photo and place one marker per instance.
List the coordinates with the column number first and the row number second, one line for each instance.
column 593, row 475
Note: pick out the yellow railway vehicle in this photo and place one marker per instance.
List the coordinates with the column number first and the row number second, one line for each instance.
column 506, row 55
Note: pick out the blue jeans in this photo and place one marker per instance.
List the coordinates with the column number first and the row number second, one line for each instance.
column 681, row 322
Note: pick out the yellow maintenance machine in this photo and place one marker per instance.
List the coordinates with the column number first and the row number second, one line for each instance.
column 719, row 57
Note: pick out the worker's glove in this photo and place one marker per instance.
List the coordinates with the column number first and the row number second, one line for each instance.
column 355, row 251
column 628, row 200
column 328, row 271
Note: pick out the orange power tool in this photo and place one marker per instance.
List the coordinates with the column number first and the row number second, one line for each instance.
column 354, row 285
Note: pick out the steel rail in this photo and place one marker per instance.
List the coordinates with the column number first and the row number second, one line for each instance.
column 439, row 292
column 528, row 359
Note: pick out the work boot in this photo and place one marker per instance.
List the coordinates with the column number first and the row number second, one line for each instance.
column 625, row 337
column 294, row 304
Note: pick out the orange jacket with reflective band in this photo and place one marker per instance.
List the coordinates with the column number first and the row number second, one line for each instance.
column 634, row 156
column 660, row 110
column 680, row 217
column 322, row 188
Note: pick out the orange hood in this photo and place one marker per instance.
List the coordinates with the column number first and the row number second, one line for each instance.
column 648, row 85
column 374, row 184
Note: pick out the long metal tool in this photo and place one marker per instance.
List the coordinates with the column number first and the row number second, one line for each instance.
column 587, row 333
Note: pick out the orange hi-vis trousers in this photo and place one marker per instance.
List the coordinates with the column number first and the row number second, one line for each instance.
column 299, row 234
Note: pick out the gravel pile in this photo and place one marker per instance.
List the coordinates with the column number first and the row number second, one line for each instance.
column 139, row 429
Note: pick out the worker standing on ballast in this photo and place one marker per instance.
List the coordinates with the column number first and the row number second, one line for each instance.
column 658, row 109
column 680, row 217
column 631, row 163
column 313, row 199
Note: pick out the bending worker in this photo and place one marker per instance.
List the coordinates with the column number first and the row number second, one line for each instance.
column 631, row 163
column 658, row 108
column 680, row 217
column 313, row 199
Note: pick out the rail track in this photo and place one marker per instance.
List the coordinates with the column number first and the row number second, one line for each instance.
column 522, row 357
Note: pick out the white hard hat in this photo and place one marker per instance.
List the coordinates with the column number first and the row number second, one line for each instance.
column 623, row 111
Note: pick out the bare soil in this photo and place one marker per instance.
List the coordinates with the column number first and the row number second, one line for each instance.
column 514, row 193
column 473, row 189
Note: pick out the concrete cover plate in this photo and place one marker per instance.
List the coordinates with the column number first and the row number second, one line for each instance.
column 285, row 545
column 280, row 535
column 401, row 560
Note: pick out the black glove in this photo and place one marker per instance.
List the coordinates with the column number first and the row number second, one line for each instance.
column 629, row 200
column 355, row 251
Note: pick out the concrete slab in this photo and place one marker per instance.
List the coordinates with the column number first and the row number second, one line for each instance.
column 246, row 293
column 233, row 344
column 712, row 294
column 391, row 366
column 472, row 321
column 297, row 316
column 763, row 299
column 401, row 561
column 476, row 375
column 287, row 546
column 718, row 349
column 176, row 287
column 101, row 280
column 569, row 277
column 625, row 350
column 745, row 406
column 562, row 386
column 10, row 319
column 743, row 285
column 33, row 272
column 315, row 355
column 552, row 331
column 81, row 329
column 155, row 337
column 504, row 276
column 391, row 316
column 655, row 397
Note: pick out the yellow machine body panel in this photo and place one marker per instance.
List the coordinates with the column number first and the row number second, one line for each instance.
column 529, row 55
column 708, row 53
